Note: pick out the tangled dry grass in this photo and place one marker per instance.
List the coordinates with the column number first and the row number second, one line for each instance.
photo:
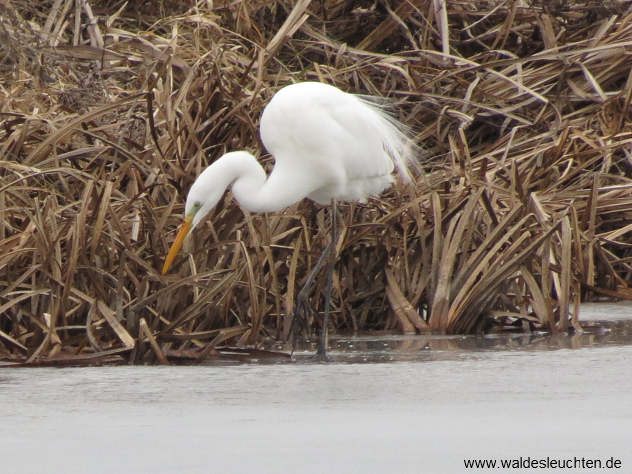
column 110, row 108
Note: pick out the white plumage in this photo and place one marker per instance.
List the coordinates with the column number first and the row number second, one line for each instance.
column 327, row 146
column 330, row 144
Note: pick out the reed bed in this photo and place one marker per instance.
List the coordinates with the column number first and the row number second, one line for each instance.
column 521, row 206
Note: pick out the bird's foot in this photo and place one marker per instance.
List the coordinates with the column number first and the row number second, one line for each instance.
column 321, row 355
column 299, row 328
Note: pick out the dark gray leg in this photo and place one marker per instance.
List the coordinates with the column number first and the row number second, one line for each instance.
column 302, row 306
column 321, row 353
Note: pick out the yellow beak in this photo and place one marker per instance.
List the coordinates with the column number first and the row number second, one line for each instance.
column 175, row 247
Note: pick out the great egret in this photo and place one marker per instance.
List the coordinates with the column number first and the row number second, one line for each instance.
column 328, row 146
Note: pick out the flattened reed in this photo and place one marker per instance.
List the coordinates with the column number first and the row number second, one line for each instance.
column 522, row 204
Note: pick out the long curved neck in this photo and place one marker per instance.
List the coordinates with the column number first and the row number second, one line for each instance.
column 255, row 191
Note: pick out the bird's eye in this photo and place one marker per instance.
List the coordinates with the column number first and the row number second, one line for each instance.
column 197, row 206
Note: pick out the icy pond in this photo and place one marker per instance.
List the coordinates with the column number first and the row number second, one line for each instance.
column 387, row 404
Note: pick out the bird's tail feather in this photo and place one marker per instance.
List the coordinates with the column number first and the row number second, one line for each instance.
column 397, row 139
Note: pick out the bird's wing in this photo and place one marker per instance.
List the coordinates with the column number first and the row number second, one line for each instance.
column 334, row 136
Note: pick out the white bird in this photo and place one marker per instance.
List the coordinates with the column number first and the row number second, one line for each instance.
column 327, row 145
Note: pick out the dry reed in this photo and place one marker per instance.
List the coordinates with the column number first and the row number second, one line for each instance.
column 108, row 110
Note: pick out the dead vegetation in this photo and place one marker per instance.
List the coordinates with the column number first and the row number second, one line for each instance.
column 109, row 110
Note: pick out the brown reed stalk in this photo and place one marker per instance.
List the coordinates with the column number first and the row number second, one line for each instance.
column 522, row 203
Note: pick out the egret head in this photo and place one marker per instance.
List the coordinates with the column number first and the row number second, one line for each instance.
column 208, row 189
column 201, row 199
